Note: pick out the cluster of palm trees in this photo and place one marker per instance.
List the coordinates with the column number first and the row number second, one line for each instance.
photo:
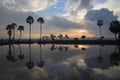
column 11, row 31
column 30, row 21
column 11, row 28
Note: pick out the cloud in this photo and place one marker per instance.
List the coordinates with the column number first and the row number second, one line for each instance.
column 27, row 5
column 104, row 14
column 62, row 22
column 76, row 5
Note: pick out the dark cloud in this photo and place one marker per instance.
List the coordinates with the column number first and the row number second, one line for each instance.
column 104, row 14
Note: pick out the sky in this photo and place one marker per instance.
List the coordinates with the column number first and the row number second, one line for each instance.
column 72, row 17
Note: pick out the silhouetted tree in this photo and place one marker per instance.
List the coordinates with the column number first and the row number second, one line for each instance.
column 20, row 28
column 9, row 29
column 13, row 25
column 100, row 23
column 83, row 37
column 60, row 36
column 66, row 36
column 30, row 21
column 115, row 28
column 52, row 37
column 41, row 21
column 53, row 47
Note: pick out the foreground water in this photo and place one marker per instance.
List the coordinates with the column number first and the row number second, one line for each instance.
column 59, row 62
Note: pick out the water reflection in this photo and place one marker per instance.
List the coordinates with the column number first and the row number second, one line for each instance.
column 11, row 54
column 100, row 58
column 85, row 62
column 41, row 58
column 20, row 56
column 115, row 57
column 59, row 48
column 30, row 63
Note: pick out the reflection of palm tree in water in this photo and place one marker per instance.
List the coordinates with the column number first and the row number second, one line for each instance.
column 13, row 57
column 30, row 63
column 100, row 58
column 20, row 56
column 10, row 56
column 41, row 62
column 115, row 56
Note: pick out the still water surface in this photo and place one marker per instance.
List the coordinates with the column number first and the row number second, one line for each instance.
column 59, row 62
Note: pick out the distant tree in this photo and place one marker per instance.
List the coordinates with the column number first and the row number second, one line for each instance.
column 30, row 21
column 60, row 36
column 83, row 37
column 41, row 21
column 53, row 37
column 100, row 23
column 66, row 36
column 20, row 28
column 115, row 28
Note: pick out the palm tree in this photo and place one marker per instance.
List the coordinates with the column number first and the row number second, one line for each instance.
column 9, row 29
column 20, row 28
column 115, row 28
column 30, row 21
column 13, row 25
column 41, row 21
column 100, row 23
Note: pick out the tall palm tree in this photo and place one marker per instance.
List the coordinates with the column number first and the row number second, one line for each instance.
column 20, row 28
column 13, row 25
column 115, row 28
column 9, row 29
column 41, row 21
column 30, row 21
column 100, row 23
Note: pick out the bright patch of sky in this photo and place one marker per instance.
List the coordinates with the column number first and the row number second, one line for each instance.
column 59, row 8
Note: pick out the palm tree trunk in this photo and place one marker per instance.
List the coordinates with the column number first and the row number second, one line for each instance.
column 40, row 31
column 20, row 36
column 13, row 35
column 30, row 34
column 100, row 32
column 116, row 37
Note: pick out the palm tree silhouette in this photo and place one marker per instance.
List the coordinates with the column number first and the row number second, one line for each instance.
column 13, row 25
column 20, row 28
column 20, row 56
column 41, row 21
column 100, row 23
column 115, row 28
column 41, row 62
column 30, row 21
column 9, row 29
